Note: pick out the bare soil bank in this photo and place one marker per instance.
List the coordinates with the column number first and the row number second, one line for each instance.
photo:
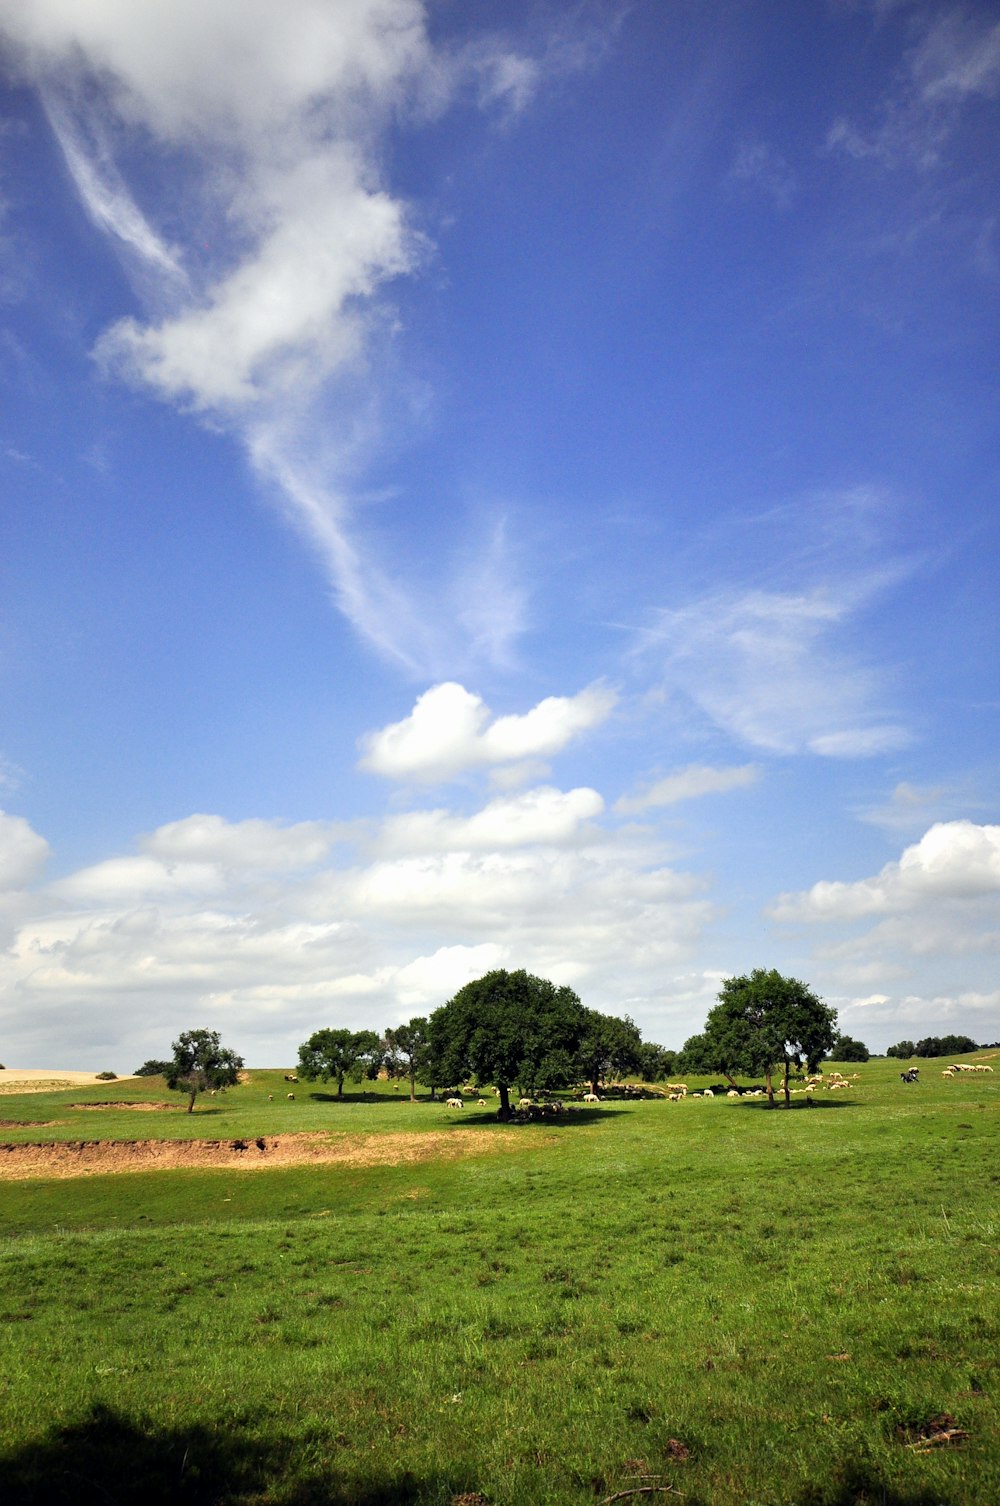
column 83, row 1158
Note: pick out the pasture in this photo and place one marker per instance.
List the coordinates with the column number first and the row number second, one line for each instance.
column 639, row 1301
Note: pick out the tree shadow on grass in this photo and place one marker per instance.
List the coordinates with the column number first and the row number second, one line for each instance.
column 782, row 1107
column 565, row 1119
column 857, row 1482
column 108, row 1459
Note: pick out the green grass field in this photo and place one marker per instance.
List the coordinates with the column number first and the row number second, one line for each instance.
column 704, row 1300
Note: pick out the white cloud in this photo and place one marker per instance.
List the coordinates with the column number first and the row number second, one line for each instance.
column 767, row 667
column 688, row 784
column 263, row 131
column 760, row 166
column 254, row 844
column 953, row 860
column 543, row 815
column 450, row 730
column 22, row 852
column 194, row 928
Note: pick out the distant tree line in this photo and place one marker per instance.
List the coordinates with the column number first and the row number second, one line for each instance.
column 934, row 1045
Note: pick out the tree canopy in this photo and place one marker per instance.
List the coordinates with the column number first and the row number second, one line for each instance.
column 608, row 1047
column 762, row 1022
column 200, row 1062
column 338, row 1054
column 508, row 1029
column 407, row 1049
column 846, row 1049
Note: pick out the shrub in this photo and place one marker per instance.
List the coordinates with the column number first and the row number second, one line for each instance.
column 106, row 1076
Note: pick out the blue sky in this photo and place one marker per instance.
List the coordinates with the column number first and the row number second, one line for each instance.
column 494, row 486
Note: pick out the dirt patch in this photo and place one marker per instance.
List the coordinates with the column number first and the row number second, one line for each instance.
column 29, row 1123
column 41, row 1080
column 149, row 1107
column 86, row 1158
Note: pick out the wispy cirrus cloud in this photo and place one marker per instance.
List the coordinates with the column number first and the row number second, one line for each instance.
column 953, row 56
column 285, row 239
column 690, row 783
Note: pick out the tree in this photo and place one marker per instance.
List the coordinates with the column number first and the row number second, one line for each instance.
column 339, row 1054
column 200, row 1062
column 656, row 1062
column 763, row 1022
column 408, row 1046
column 846, row 1049
column 944, row 1045
column 508, row 1028
column 152, row 1068
column 609, row 1047
column 902, row 1049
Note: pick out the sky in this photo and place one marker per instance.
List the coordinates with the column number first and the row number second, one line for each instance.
column 495, row 485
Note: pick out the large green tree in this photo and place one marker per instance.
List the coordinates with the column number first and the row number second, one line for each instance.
column 763, row 1023
column 201, row 1062
column 609, row 1047
column 407, row 1049
column 508, row 1029
column 338, row 1054
column 846, row 1049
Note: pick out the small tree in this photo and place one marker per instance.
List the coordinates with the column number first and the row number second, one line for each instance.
column 508, row 1028
column 408, row 1045
column 763, row 1023
column 152, row 1068
column 846, row 1049
column 610, row 1046
column 656, row 1062
column 339, row 1054
column 200, row 1062
column 903, row 1050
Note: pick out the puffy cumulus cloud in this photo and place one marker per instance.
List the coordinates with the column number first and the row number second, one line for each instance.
column 262, row 130
column 254, row 844
column 688, row 784
column 200, row 855
column 22, row 852
column 953, row 860
column 195, row 928
column 770, row 669
column 543, row 815
column 450, row 729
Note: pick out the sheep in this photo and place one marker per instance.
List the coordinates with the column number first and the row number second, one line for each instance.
column 676, row 1087
column 708, row 1093
column 454, row 1103
column 270, row 1097
column 733, row 1093
column 526, row 1103
column 290, row 1097
column 290, row 1077
column 482, row 1103
column 591, row 1098
column 675, row 1097
column 948, row 1072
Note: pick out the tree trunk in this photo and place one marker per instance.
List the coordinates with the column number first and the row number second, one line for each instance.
column 192, row 1095
column 788, row 1096
column 413, row 1085
column 770, row 1089
column 504, row 1110
column 593, row 1086
column 340, row 1086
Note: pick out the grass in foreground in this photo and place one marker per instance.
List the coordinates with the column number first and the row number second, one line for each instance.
column 746, row 1306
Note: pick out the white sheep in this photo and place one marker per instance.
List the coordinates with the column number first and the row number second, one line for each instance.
column 708, row 1093
column 733, row 1093
column 526, row 1103
column 482, row 1103
column 291, row 1096
column 591, row 1098
column 454, row 1103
